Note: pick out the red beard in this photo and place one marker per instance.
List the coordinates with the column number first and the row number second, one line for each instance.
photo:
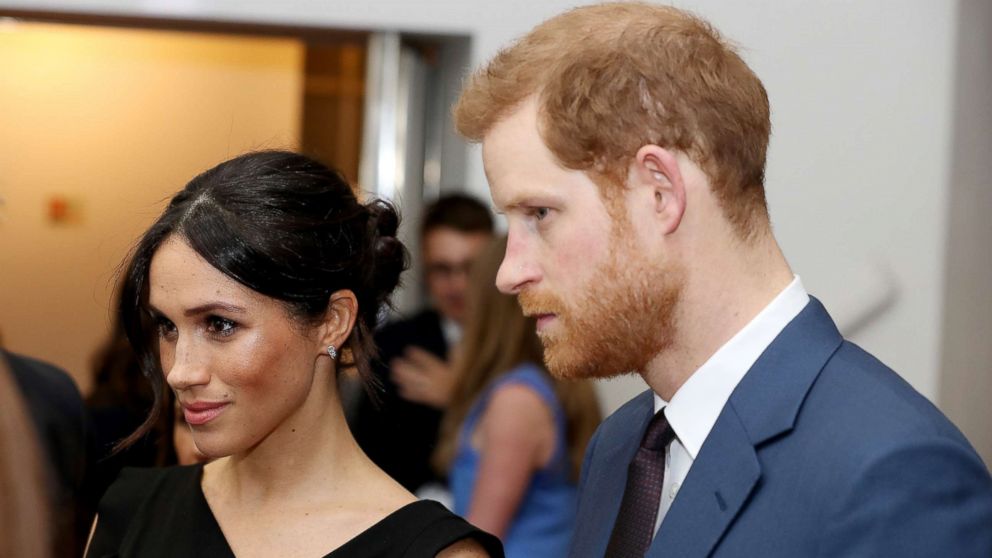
column 616, row 325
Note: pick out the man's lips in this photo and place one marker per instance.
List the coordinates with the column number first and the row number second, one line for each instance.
column 544, row 320
column 202, row 412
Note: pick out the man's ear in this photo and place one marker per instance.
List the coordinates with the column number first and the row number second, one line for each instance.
column 656, row 169
column 342, row 311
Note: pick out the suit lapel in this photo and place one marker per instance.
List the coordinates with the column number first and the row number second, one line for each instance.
column 764, row 405
column 607, row 482
column 719, row 482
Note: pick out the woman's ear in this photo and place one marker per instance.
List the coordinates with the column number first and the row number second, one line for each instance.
column 342, row 310
column 657, row 171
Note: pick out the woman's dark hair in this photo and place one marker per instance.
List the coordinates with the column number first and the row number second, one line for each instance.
column 285, row 226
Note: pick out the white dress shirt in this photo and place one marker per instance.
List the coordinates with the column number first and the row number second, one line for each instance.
column 451, row 331
column 694, row 408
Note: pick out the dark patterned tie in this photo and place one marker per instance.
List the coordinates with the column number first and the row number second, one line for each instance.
column 634, row 529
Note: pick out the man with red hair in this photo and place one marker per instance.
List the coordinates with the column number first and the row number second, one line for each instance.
column 626, row 144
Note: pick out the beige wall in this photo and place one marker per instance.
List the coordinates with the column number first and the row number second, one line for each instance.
column 115, row 121
column 966, row 363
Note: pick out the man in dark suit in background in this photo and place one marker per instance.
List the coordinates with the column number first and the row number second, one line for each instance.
column 400, row 432
column 626, row 143
column 56, row 409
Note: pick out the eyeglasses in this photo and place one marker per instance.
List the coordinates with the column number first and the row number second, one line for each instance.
column 448, row 270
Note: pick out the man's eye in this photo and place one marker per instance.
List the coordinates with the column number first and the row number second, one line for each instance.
column 541, row 213
column 222, row 326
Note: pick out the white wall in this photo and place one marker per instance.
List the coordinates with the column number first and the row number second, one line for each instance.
column 859, row 164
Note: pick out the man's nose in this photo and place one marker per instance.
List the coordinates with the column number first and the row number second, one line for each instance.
column 517, row 269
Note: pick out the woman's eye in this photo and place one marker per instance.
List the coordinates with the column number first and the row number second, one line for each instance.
column 540, row 213
column 165, row 327
column 221, row 326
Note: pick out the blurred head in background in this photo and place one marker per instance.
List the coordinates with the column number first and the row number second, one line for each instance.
column 455, row 228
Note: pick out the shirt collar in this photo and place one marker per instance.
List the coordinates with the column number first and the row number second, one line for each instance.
column 694, row 408
column 451, row 331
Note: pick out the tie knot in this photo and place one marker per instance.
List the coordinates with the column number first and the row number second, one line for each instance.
column 659, row 433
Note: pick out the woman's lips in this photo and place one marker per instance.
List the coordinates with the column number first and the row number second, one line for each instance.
column 197, row 414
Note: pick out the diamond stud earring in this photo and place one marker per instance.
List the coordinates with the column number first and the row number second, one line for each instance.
column 332, row 352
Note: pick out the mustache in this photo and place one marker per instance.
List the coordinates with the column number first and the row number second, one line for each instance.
column 533, row 303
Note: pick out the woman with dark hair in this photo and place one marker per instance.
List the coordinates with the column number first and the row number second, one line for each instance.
column 513, row 438
column 257, row 286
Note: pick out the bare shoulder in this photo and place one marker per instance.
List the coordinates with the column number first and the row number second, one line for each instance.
column 465, row 548
column 516, row 399
column 517, row 410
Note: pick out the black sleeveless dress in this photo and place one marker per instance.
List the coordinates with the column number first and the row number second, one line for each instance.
column 152, row 513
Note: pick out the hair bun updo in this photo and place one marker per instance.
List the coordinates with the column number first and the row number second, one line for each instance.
column 390, row 255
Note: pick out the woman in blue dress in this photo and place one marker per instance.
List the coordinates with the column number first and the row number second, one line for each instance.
column 513, row 437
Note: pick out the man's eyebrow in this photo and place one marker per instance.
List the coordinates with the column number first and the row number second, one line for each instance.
column 540, row 199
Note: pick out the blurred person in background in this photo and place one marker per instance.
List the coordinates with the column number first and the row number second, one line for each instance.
column 259, row 283
column 24, row 503
column 513, row 437
column 118, row 404
column 399, row 432
column 56, row 410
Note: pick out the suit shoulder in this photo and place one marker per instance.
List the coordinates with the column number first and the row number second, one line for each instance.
column 33, row 375
column 55, row 406
column 874, row 406
column 902, row 478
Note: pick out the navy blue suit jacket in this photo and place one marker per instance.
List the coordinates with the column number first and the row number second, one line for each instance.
column 821, row 451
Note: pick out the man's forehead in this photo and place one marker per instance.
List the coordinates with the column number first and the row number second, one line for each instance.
column 449, row 234
column 515, row 133
column 529, row 179
column 517, row 178
column 449, row 243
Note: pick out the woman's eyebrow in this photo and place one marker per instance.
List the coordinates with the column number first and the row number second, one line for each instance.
column 213, row 306
column 204, row 308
